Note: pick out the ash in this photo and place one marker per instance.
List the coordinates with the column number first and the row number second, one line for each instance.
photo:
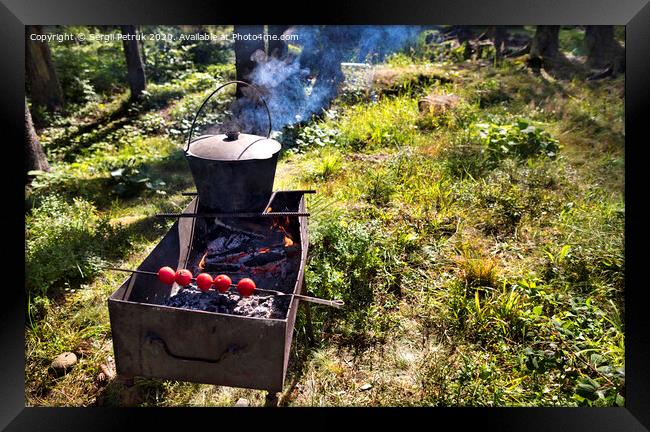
column 230, row 303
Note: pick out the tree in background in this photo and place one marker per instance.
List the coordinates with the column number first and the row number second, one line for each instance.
column 499, row 36
column 135, row 68
column 277, row 48
column 545, row 48
column 602, row 49
column 34, row 154
column 44, row 86
column 244, row 50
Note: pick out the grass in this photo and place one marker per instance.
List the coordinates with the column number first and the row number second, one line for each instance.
column 471, row 277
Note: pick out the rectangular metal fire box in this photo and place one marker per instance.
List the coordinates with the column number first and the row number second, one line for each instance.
column 154, row 340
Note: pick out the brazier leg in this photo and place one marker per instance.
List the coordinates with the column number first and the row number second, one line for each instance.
column 271, row 399
column 126, row 380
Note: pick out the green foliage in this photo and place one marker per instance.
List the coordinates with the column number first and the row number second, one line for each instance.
column 130, row 180
column 346, row 263
column 328, row 164
column 317, row 134
column 531, row 314
column 387, row 123
column 572, row 40
column 490, row 92
column 67, row 243
column 522, row 140
column 90, row 67
column 466, row 157
column 379, row 189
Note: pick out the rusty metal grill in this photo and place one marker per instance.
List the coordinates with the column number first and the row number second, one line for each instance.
column 151, row 339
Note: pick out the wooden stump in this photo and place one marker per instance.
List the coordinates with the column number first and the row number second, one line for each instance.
column 437, row 104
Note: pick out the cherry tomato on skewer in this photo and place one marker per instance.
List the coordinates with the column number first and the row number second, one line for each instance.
column 246, row 287
column 183, row 277
column 166, row 275
column 204, row 281
column 222, row 282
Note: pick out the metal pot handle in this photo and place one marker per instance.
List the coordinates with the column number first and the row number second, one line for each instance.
column 196, row 116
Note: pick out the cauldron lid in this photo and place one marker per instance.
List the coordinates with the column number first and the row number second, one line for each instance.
column 233, row 146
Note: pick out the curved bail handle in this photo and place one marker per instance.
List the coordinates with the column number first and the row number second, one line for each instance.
column 196, row 116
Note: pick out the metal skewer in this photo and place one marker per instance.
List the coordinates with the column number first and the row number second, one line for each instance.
column 233, row 288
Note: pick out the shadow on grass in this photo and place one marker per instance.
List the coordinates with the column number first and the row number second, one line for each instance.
column 104, row 191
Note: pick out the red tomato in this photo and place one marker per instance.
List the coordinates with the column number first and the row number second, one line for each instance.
column 183, row 277
column 246, row 287
column 222, row 282
column 166, row 275
column 204, row 281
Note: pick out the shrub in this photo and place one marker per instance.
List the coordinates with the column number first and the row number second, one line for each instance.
column 317, row 134
column 522, row 140
column 347, row 263
column 66, row 243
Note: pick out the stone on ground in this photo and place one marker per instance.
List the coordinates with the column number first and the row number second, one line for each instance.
column 64, row 362
column 242, row 402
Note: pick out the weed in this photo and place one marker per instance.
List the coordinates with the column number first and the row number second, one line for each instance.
column 67, row 243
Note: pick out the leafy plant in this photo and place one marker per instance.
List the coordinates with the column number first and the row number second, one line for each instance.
column 67, row 243
column 318, row 135
column 521, row 139
column 132, row 179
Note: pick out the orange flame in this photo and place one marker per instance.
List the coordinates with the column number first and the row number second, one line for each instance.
column 282, row 227
column 202, row 262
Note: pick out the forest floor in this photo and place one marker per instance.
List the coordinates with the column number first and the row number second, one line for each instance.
column 480, row 263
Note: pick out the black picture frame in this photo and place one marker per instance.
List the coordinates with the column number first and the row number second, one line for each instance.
column 634, row 14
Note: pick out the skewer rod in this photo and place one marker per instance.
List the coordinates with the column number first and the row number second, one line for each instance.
column 233, row 288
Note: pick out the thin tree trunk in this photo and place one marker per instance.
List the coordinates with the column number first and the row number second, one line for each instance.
column 277, row 48
column 45, row 89
column 499, row 37
column 135, row 68
column 244, row 50
column 34, row 154
column 602, row 49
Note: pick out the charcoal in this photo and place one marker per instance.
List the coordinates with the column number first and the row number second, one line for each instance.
column 230, row 303
column 260, row 259
column 245, row 248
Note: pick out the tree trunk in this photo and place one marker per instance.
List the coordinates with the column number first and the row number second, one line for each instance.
column 135, row 68
column 244, row 50
column 602, row 50
column 277, row 48
column 45, row 90
column 545, row 48
column 546, row 43
column 499, row 37
column 34, row 154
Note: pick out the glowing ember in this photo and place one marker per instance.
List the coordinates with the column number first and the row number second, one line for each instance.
column 287, row 241
column 264, row 249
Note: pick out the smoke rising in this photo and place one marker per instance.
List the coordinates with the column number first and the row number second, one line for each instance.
column 302, row 84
